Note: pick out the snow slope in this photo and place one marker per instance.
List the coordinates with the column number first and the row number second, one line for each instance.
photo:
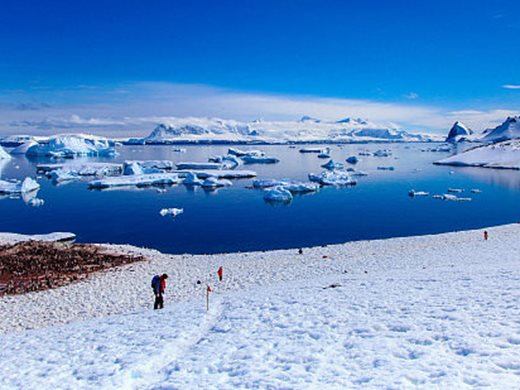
column 305, row 129
column 434, row 311
column 509, row 129
column 4, row 155
column 504, row 155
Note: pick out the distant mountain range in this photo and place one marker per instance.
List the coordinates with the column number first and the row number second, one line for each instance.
column 509, row 129
column 306, row 129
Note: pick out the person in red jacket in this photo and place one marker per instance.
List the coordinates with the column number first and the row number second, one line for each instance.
column 159, row 285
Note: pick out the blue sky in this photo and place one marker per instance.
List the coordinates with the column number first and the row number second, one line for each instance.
column 432, row 61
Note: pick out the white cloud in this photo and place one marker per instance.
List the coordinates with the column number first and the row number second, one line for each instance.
column 107, row 110
column 412, row 96
column 511, row 86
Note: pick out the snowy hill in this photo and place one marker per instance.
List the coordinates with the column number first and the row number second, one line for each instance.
column 510, row 129
column 306, row 129
column 435, row 311
column 505, row 155
column 458, row 132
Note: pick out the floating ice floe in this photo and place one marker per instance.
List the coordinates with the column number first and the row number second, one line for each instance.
column 352, row 160
column 23, row 148
column 137, row 180
column 414, row 193
column 451, row 197
column 333, row 178
column 242, row 153
column 455, row 190
column 218, row 173
column 332, row 165
column 386, row 168
column 476, row 191
column 171, row 211
column 213, row 182
column 163, row 165
column 4, row 155
column 324, row 155
column 278, row 194
column 311, row 150
column 228, row 162
column 199, row 165
column 17, row 187
column 72, row 145
column 295, row 187
column 191, row 179
column 355, row 172
column 252, row 159
column 364, row 153
column 179, row 150
column 382, row 153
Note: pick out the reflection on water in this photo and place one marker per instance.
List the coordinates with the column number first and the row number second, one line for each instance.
column 237, row 218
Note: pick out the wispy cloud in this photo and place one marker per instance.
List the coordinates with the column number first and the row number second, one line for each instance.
column 511, row 86
column 412, row 96
column 134, row 109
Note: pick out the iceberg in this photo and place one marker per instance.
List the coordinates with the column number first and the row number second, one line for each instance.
column 23, row 148
column 84, row 169
column 413, row 193
column 252, row 159
column 312, row 150
column 333, row 178
column 72, row 145
column 229, row 161
column 331, row 165
column 136, row 180
column 278, row 194
column 17, row 187
column 352, row 160
column 137, row 168
column 295, row 187
column 242, row 153
column 171, row 211
column 212, row 183
column 163, row 165
column 4, row 155
column 324, row 155
column 199, row 165
column 190, row 179
column 382, row 153
column 218, row 173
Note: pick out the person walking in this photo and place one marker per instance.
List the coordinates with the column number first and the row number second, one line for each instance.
column 158, row 286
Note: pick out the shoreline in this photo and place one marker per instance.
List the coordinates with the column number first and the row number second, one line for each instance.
column 126, row 289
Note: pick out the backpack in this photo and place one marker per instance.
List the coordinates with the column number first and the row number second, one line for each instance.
column 156, row 280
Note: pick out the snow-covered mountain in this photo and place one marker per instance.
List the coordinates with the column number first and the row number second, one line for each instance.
column 458, row 132
column 503, row 155
column 509, row 129
column 306, row 129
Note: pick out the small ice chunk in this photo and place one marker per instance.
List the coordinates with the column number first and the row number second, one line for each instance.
column 213, row 182
column 278, row 194
column 386, row 168
column 455, row 190
column 414, row 193
column 382, row 153
column 312, row 150
column 36, row 202
column 476, row 191
column 251, row 159
column 171, row 211
column 352, row 160
column 332, row 165
column 179, row 150
column 332, row 178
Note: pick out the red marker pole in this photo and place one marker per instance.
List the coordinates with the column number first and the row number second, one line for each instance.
column 220, row 272
column 208, row 290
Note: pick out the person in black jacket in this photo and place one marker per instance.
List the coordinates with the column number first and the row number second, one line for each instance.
column 158, row 286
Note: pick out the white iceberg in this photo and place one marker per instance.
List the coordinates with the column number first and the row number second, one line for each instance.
column 23, row 148
column 229, row 161
column 295, row 187
column 72, row 145
column 137, row 180
column 278, row 194
column 212, row 182
column 333, row 178
column 218, row 173
column 252, row 159
column 4, row 155
column 191, row 179
column 413, row 193
column 382, row 153
column 242, row 153
column 331, row 165
column 171, row 211
column 17, row 187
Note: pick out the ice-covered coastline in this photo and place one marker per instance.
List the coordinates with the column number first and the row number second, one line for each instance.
column 438, row 310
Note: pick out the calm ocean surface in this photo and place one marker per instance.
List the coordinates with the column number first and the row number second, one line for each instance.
column 238, row 219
